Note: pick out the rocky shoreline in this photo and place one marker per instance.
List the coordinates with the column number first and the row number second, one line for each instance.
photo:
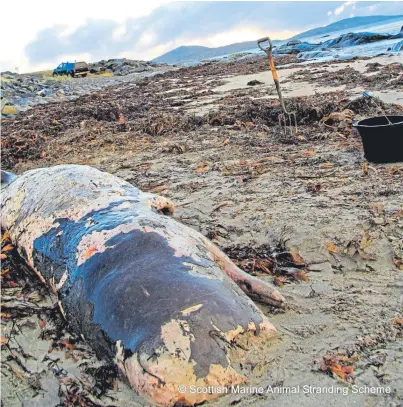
column 327, row 48
column 124, row 66
column 21, row 92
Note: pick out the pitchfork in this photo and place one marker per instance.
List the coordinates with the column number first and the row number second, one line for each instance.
column 284, row 117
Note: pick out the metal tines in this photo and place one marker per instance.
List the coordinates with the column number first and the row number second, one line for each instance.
column 289, row 126
column 287, row 120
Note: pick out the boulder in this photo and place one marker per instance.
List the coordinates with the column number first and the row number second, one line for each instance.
column 9, row 110
column 315, row 54
column 293, row 42
column 295, row 49
column 350, row 39
column 4, row 102
column 43, row 92
column 398, row 46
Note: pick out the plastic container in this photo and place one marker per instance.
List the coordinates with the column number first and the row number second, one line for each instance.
column 382, row 141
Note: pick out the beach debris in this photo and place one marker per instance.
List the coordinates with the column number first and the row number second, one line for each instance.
column 284, row 265
column 332, row 248
column 340, row 120
column 338, row 364
column 95, row 118
column 388, row 77
column 254, row 82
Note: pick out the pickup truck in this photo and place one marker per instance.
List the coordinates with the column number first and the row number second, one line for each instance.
column 72, row 68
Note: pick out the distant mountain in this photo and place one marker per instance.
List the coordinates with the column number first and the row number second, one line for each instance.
column 345, row 24
column 196, row 52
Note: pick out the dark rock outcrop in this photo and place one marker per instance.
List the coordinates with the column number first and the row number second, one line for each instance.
column 123, row 66
column 351, row 39
column 295, row 47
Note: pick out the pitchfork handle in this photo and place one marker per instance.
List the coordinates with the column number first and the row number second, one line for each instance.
column 268, row 51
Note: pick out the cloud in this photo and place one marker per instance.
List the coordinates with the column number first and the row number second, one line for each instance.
column 182, row 23
column 366, row 8
column 172, row 23
column 345, row 5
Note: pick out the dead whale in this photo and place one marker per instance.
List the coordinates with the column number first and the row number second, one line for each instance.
column 142, row 289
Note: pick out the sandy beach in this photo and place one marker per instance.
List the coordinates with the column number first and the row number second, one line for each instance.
column 210, row 142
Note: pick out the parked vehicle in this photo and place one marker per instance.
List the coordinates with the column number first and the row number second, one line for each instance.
column 72, row 68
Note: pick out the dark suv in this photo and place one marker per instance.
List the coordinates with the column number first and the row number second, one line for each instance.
column 72, row 68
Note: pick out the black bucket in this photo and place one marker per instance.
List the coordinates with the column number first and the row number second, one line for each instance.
column 382, row 141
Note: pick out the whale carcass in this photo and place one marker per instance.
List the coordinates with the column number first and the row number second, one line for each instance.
column 141, row 288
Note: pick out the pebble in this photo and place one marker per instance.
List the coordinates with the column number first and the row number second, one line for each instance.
column 9, row 110
column 379, row 221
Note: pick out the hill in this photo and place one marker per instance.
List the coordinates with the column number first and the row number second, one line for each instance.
column 196, row 52
column 345, row 24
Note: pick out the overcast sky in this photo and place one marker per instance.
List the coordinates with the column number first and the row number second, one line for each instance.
column 39, row 34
